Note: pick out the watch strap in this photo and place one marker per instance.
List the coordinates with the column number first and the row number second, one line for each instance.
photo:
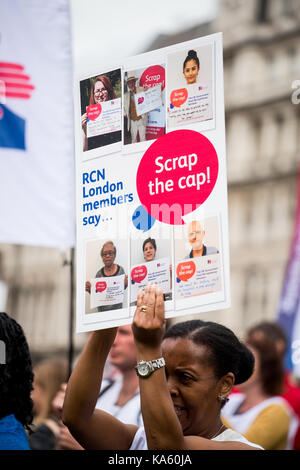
column 157, row 363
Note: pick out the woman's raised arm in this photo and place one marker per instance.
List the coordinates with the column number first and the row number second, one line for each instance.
column 93, row 429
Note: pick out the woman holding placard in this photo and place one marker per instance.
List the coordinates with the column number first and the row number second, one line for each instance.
column 185, row 377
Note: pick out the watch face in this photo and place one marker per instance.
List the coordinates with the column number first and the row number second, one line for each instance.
column 144, row 369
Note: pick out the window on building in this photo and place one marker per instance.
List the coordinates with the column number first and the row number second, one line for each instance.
column 286, row 8
column 263, row 11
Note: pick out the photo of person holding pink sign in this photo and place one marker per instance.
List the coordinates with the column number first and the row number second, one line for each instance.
column 143, row 104
column 158, row 268
column 109, row 269
column 94, row 92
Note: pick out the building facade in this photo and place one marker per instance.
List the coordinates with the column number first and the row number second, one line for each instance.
column 261, row 66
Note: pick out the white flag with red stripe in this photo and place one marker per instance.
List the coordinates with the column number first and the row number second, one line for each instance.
column 36, row 124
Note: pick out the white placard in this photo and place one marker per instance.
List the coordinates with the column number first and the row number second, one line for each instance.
column 148, row 100
column 108, row 118
column 107, row 291
column 198, row 276
column 157, row 271
column 197, row 107
column 164, row 186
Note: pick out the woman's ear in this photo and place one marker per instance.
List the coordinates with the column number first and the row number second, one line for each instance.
column 226, row 384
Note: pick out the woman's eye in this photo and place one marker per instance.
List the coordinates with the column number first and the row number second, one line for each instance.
column 186, row 377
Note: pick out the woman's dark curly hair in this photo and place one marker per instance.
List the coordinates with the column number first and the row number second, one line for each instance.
column 16, row 374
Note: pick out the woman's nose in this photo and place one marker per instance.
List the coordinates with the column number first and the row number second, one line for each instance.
column 172, row 387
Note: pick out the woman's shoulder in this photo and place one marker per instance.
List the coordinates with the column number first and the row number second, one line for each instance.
column 276, row 407
column 234, row 436
column 140, row 441
column 120, row 270
column 100, row 273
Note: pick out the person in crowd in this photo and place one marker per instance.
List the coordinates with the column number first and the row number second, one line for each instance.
column 48, row 377
column 290, row 391
column 257, row 411
column 136, row 124
column 110, row 268
column 16, row 378
column 185, row 378
column 65, row 440
column 196, row 234
column 101, row 90
column 191, row 67
column 119, row 394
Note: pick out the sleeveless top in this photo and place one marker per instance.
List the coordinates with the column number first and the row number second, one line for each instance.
column 140, row 442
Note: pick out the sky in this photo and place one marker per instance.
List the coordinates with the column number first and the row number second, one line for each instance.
column 105, row 31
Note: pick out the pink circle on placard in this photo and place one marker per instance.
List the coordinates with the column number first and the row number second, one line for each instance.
column 153, row 76
column 139, row 273
column 100, row 286
column 93, row 111
column 176, row 175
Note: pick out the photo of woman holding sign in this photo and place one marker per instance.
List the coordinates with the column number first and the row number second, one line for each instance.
column 99, row 90
column 191, row 91
column 110, row 268
column 149, row 248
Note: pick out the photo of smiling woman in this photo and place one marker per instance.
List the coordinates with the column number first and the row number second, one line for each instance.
column 109, row 281
column 191, row 67
column 190, row 84
column 101, row 110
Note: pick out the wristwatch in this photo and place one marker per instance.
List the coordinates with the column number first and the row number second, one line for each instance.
column 145, row 368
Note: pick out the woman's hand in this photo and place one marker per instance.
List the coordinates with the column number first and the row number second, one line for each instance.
column 149, row 319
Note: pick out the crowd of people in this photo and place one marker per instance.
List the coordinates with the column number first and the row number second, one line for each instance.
column 212, row 391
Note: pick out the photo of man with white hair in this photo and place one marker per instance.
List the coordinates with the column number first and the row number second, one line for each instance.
column 196, row 234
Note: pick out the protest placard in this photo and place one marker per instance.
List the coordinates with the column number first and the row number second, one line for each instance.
column 148, row 100
column 157, row 271
column 152, row 198
column 108, row 291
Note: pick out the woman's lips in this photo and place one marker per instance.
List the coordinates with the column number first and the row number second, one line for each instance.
column 179, row 410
